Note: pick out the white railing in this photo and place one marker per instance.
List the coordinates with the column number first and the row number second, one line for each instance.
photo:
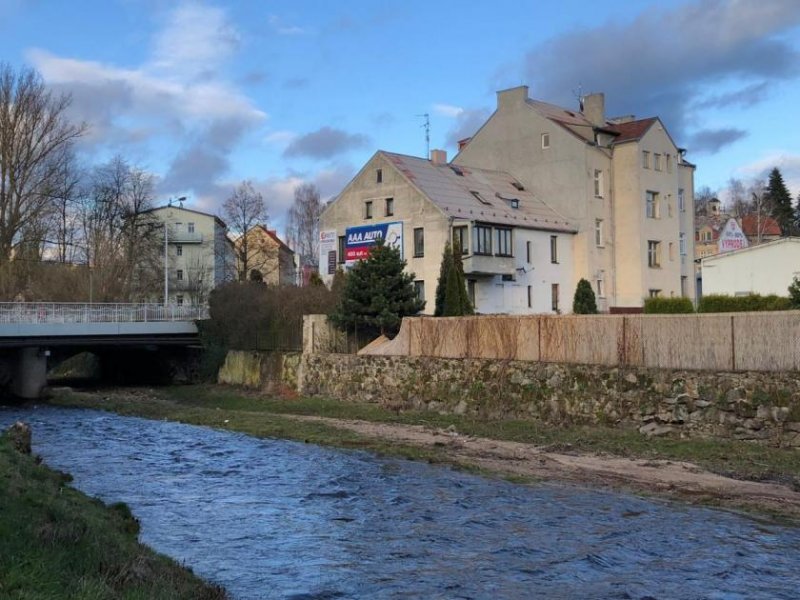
column 52, row 312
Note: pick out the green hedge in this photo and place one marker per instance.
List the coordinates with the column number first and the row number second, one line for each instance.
column 668, row 305
column 714, row 303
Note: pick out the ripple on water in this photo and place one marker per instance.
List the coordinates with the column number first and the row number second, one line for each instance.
column 277, row 519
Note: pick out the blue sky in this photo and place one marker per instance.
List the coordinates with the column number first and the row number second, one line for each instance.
column 205, row 94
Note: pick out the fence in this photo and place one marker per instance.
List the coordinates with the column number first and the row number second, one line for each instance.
column 720, row 342
column 50, row 312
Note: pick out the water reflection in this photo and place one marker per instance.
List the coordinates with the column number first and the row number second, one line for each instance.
column 278, row 519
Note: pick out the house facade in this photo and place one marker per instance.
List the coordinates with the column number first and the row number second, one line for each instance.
column 767, row 268
column 516, row 250
column 199, row 255
column 269, row 259
column 622, row 182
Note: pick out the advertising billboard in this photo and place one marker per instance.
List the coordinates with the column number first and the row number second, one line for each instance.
column 327, row 252
column 360, row 240
column 732, row 237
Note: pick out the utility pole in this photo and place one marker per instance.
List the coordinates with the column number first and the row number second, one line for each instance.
column 166, row 264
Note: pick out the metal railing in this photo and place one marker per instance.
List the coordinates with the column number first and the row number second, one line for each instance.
column 52, row 312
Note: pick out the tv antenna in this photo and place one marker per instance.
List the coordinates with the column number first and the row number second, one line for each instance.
column 427, row 126
column 578, row 93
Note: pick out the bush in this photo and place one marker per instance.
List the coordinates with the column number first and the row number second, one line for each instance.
column 794, row 292
column 714, row 303
column 584, row 302
column 668, row 306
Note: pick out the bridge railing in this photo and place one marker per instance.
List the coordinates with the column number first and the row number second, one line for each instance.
column 52, row 312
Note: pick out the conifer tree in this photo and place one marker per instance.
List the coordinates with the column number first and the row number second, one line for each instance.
column 456, row 302
column 441, row 284
column 781, row 201
column 584, row 302
column 377, row 294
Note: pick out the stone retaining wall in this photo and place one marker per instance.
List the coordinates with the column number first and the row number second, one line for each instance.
column 740, row 405
column 272, row 372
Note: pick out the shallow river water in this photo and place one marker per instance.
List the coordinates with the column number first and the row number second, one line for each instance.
column 279, row 519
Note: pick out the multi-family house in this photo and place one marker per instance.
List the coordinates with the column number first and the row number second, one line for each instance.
column 516, row 249
column 269, row 259
column 199, row 255
column 622, row 182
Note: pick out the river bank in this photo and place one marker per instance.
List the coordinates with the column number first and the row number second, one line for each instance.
column 55, row 542
column 730, row 474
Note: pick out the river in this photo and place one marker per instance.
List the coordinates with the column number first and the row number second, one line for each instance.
column 279, row 519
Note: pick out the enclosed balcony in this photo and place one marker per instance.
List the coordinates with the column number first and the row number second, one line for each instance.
column 486, row 264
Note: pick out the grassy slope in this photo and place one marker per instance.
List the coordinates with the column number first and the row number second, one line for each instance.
column 230, row 408
column 57, row 543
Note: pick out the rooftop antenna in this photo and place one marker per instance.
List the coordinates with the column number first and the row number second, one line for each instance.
column 427, row 126
column 181, row 200
column 578, row 93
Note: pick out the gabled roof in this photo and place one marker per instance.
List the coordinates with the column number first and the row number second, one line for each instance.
column 272, row 234
column 768, row 226
column 478, row 194
column 189, row 210
column 631, row 130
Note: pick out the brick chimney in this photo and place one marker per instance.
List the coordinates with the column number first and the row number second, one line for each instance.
column 439, row 157
column 594, row 109
column 512, row 97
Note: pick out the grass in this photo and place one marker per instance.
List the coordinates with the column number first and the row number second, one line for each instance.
column 239, row 410
column 58, row 543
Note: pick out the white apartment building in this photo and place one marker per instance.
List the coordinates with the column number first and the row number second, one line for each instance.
column 199, row 255
column 516, row 250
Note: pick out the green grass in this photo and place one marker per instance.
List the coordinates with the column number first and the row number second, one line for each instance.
column 250, row 413
column 58, row 543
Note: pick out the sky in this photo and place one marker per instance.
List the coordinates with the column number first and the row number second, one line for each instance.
column 206, row 94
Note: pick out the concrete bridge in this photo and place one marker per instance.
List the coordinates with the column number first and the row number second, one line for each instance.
column 31, row 332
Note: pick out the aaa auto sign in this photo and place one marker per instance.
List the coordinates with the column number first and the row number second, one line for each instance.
column 361, row 240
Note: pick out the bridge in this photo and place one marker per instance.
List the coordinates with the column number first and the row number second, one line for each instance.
column 29, row 332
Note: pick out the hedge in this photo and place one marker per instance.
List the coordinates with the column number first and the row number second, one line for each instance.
column 668, row 305
column 714, row 303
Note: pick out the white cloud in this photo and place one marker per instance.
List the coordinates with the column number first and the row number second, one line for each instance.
column 281, row 138
column 448, row 110
column 281, row 28
column 789, row 165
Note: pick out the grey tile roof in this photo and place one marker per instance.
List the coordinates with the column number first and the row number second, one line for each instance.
column 455, row 194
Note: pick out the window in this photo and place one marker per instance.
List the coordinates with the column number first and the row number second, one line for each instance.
column 342, row 247
column 598, row 183
column 653, row 209
column 554, row 297
column 471, row 292
column 684, row 280
column 179, row 250
column 461, row 238
column 671, row 251
column 530, row 296
column 179, row 275
column 657, row 162
column 681, row 200
column 653, row 293
column 682, row 244
column 554, row 249
column 668, row 158
column 598, row 233
column 419, row 242
column 368, row 209
column 389, row 207
column 669, row 207
column 601, row 288
column 653, row 254
column 379, row 176
column 545, row 140
column 483, row 239
column 479, row 198
column 645, row 159
column 528, row 251
column 419, row 288
column 503, row 241
column 190, row 227
column 179, row 299
column 514, row 202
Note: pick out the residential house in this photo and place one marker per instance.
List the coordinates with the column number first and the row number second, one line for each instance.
column 269, row 259
column 516, row 249
column 199, row 255
column 622, row 182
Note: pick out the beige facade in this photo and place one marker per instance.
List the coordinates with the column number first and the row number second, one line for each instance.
column 634, row 220
column 268, row 257
column 199, row 254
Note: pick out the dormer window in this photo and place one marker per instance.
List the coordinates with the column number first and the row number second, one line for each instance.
column 514, row 202
column 479, row 198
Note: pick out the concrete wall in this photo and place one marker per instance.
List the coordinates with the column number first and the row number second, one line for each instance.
column 765, row 269
column 272, row 372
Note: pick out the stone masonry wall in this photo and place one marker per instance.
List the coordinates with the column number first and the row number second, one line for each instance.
column 741, row 405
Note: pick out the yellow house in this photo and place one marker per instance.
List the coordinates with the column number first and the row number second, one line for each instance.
column 266, row 257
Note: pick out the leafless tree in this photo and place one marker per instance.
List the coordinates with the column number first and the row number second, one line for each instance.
column 243, row 210
column 35, row 136
column 702, row 196
column 303, row 225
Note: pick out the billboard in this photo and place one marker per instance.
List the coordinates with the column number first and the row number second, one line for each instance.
column 327, row 252
column 732, row 237
column 360, row 240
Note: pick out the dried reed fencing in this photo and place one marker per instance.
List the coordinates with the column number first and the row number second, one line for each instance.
column 718, row 342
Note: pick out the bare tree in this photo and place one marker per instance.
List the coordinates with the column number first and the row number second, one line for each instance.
column 243, row 210
column 34, row 138
column 303, row 225
column 702, row 196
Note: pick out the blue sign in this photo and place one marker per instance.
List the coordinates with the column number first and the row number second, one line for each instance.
column 360, row 241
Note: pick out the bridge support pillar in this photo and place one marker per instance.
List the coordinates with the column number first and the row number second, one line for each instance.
column 29, row 375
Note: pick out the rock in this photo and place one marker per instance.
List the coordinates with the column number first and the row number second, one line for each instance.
column 702, row 403
column 793, row 426
column 670, row 401
column 460, row 408
column 655, row 430
column 734, row 394
column 753, row 424
column 780, row 413
column 683, row 398
column 20, row 435
column 631, row 378
column 763, row 412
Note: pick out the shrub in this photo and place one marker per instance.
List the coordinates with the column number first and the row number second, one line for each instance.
column 668, row 306
column 584, row 302
column 714, row 303
column 794, row 292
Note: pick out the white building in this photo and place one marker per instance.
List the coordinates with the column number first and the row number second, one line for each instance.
column 765, row 269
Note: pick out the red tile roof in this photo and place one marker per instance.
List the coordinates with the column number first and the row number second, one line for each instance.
column 632, row 130
column 768, row 225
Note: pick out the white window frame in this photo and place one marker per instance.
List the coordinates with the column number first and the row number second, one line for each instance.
column 598, row 233
column 653, row 210
column 598, row 183
column 545, row 140
column 645, row 159
column 682, row 244
column 681, row 200
column 654, row 254
column 657, row 161
column 601, row 288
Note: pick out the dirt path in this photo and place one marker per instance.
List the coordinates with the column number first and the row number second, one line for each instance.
column 681, row 480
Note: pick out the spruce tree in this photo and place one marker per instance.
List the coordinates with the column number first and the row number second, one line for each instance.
column 584, row 302
column 456, row 301
column 377, row 294
column 781, row 201
column 441, row 284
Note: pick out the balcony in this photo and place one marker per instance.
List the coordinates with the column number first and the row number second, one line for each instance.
column 184, row 237
column 478, row 264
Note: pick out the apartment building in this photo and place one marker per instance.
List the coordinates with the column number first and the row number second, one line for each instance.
column 199, row 255
column 516, row 249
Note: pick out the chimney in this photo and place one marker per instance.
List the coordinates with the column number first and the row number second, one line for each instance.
column 439, row 157
column 594, row 109
column 512, row 97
